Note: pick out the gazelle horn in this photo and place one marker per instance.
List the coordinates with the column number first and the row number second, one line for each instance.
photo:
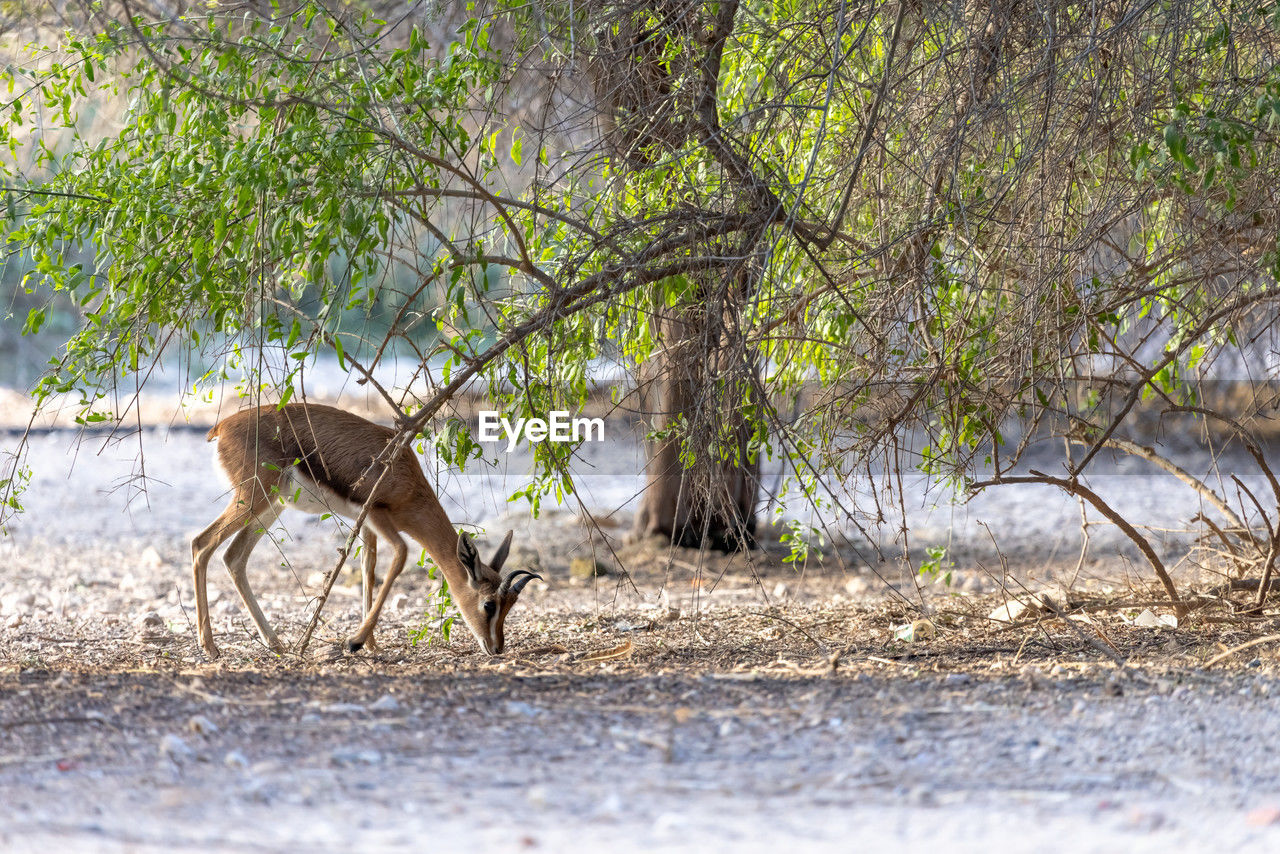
column 516, row 581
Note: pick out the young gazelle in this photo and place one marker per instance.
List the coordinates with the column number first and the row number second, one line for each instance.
column 321, row 460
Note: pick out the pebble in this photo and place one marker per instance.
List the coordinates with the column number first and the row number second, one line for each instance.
column 667, row 607
column 355, row 756
column 610, row 807
column 201, row 725
column 1263, row 817
column 385, row 703
column 343, row 709
column 584, row 568
column 14, row 621
column 151, row 626
column 172, row 747
column 1145, row 820
column 857, row 586
column 14, row 603
column 519, row 707
column 236, row 760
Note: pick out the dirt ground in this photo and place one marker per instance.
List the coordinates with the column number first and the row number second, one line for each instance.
column 719, row 705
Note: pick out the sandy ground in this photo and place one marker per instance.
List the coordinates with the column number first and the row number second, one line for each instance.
column 714, row 705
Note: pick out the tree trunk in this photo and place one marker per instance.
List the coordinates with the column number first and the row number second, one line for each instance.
column 689, row 389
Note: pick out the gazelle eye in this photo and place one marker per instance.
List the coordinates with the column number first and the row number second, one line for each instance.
column 490, row 608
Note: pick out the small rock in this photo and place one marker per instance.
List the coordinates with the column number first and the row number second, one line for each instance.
column 668, row 610
column 172, row 747
column 151, row 626
column 922, row 796
column 916, row 630
column 1148, row 620
column 1263, row 817
column 201, row 725
column 587, row 568
column 519, row 707
column 236, row 760
column 524, row 556
column 1034, row 676
column 857, row 586
column 1008, row 612
column 14, row 603
column 669, row 823
column 956, row 679
column 14, row 621
column 1144, row 820
column 398, row 602
column 780, row 590
column 1029, row 606
column 151, row 558
column 343, row 709
column 385, row 703
column 611, row 806
column 355, row 756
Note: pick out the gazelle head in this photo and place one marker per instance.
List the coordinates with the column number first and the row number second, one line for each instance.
column 490, row 593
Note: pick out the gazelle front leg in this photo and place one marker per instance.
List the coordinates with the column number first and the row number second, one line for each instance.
column 368, row 579
column 400, row 552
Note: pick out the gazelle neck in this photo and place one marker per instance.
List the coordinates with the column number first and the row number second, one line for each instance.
column 432, row 528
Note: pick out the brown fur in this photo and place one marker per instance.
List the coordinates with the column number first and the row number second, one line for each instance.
column 258, row 447
column 332, row 447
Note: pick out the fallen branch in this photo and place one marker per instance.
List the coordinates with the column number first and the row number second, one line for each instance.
column 1241, row 648
column 1074, row 487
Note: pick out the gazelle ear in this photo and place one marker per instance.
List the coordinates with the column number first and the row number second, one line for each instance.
column 500, row 556
column 469, row 558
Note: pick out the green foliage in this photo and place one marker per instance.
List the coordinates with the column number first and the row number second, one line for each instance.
column 439, row 614
column 942, row 224
column 256, row 188
column 936, row 567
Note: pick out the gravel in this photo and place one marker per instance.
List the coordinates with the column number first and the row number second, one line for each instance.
column 116, row 736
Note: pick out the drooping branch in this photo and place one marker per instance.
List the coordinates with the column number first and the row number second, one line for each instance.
column 1074, row 487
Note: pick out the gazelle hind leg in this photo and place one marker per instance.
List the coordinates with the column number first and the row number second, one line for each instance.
column 368, row 578
column 230, row 522
column 237, row 560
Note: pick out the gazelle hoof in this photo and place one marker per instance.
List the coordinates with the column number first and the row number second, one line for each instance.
column 354, row 645
column 211, row 652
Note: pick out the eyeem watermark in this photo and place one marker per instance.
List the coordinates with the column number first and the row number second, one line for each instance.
column 557, row 427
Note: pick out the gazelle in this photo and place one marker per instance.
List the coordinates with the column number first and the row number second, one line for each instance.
column 322, row 460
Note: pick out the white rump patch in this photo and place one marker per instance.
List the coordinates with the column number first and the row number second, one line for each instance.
column 302, row 493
